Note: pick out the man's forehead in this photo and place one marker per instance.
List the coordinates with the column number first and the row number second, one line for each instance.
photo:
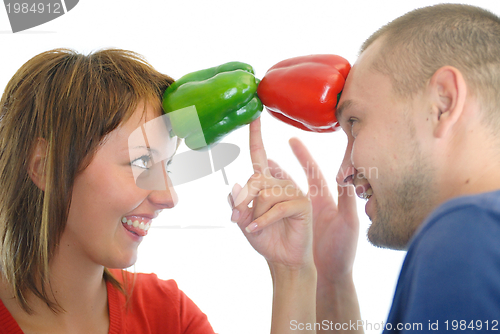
column 366, row 61
column 371, row 52
column 359, row 83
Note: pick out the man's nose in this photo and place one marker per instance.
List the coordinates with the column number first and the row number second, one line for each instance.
column 347, row 172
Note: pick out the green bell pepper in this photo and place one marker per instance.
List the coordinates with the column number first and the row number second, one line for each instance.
column 225, row 98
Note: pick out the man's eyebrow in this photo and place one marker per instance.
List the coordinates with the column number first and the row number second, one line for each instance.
column 345, row 105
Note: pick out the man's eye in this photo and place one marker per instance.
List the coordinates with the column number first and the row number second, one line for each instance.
column 351, row 121
column 144, row 162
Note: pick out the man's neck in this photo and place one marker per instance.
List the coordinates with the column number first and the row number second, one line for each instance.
column 472, row 167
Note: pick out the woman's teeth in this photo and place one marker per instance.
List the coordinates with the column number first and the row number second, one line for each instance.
column 136, row 223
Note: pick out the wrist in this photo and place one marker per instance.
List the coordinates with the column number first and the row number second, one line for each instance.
column 281, row 272
column 336, row 291
column 341, row 281
column 294, row 295
column 336, row 299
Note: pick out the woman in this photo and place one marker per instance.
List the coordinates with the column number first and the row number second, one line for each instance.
column 71, row 207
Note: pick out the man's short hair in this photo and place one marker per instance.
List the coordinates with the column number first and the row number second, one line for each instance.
column 415, row 45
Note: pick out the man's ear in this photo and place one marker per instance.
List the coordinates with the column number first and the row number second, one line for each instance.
column 37, row 164
column 448, row 94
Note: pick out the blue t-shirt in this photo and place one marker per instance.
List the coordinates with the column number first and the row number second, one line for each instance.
column 450, row 279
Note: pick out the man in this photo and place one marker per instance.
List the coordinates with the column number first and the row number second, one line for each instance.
column 420, row 107
column 421, row 112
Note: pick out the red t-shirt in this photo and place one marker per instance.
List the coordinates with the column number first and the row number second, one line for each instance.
column 155, row 306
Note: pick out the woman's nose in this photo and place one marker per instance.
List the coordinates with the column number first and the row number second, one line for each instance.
column 163, row 196
column 164, row 199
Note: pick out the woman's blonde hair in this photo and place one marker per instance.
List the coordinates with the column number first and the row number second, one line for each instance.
column 70, row 101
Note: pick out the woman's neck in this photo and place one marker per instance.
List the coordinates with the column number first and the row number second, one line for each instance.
column 77, row 287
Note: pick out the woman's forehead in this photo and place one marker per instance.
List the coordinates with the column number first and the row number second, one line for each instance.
column 146, row 127
column 144, row 112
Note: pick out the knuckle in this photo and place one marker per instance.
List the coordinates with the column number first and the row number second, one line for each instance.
column 266, row 195
column 292, row 191
column 253, row 178
column 280, row 207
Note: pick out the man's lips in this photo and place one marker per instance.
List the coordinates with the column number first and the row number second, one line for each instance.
column 137, row 224
column 364, row 191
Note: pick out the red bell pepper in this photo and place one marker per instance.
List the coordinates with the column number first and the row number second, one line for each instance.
column 304, row 91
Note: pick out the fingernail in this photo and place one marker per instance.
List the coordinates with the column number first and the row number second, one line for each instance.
column 252, row 227
column 235, row 216
column 235, row 191
column 242, row 194
column 230, row 201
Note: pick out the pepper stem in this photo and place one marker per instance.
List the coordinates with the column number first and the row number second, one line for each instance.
column 224, row 175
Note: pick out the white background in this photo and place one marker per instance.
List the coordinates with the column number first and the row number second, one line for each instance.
column 214, row 264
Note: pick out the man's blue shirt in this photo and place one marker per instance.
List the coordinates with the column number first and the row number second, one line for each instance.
column 450, row 278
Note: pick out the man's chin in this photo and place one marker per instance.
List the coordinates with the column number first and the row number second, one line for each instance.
column 379, row 235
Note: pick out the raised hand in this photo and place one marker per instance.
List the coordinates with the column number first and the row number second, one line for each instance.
column 336, row 230
column 279, row 222
column 336, row 227
column 279, row 226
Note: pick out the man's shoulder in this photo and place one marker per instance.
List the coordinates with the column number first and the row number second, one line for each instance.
column 451, row 270
column 458, row 248
column 463, row 221
column 488, row 201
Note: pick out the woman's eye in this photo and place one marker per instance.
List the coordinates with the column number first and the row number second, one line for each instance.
column 144, row 162
column 167, row 166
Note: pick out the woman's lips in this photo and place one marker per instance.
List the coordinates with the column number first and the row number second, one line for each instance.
column 137, row 224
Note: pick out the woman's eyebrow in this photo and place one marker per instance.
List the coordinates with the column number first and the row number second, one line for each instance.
column 143, row 147
column 153, row 152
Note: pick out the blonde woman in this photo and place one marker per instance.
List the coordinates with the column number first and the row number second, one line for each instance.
column 72, row 214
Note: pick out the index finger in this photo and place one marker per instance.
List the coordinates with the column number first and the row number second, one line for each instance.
column 313, row 173
column 257, row 151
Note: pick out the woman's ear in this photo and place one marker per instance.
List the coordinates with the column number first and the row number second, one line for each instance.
column 37, row 164
column 448, row 95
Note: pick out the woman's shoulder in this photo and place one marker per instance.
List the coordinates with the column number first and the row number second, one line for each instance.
column 147, row 285
column 157, row 304
column 145, row 289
